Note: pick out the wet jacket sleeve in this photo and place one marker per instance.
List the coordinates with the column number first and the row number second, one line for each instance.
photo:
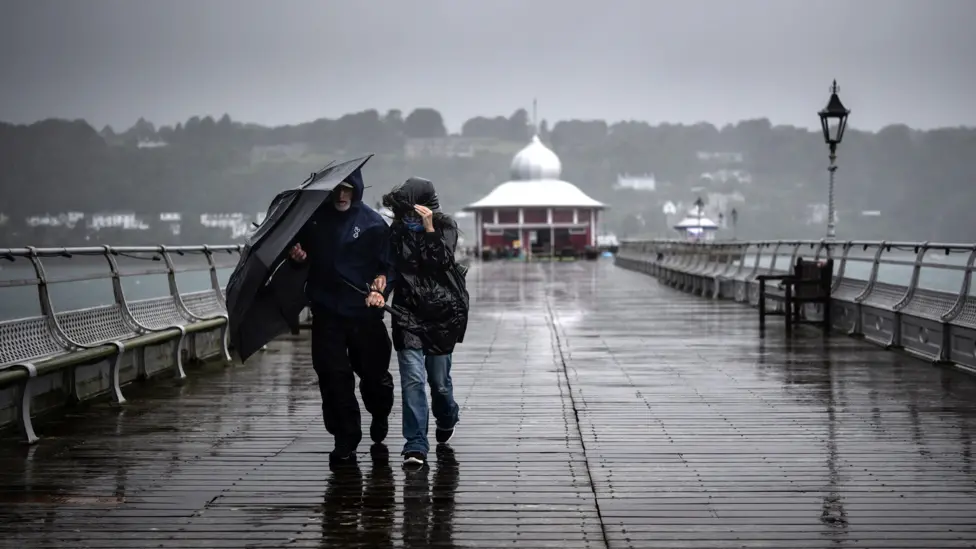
column 385, row 257
column 437, row 251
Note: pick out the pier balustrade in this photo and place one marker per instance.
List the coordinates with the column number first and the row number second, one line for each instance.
column 66, row 353
column 913, row 296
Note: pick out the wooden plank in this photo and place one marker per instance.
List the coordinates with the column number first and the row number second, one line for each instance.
column 599, row 409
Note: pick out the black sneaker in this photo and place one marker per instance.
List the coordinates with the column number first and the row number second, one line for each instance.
column 444, row 435
column 379, row 428
column 379, row 453
column 414, row 459
column 338, row 458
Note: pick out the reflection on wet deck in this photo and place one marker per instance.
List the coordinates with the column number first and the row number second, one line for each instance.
column 598, row 409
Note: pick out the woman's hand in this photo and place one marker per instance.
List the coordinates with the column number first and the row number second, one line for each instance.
column 426, row 216
column 297, row 253
column 375, row 299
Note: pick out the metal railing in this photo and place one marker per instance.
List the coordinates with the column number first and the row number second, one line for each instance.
column 915, row 296
column 54, row 339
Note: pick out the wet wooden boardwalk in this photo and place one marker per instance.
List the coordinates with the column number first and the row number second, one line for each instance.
column 598, row 410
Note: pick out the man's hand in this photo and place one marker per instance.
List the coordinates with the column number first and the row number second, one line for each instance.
column 375, row 299
column 297, row 253
column 379, row 284
column 426, row 215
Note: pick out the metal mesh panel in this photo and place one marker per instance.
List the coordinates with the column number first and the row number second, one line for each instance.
column 885, row 296
column 929, row 304
column 699, row 266
column 157, row 314
column 713, row 267
column 95, row 325
column 849, row 289
column 967, row 317
column 25, row 339
column 745, row 274
column 204, row 304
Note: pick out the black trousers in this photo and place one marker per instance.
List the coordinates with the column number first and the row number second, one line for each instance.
column 343, row 348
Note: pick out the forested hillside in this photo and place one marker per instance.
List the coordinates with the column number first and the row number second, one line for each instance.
column 923, row 183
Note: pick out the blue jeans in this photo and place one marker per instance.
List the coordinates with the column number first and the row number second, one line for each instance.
column 416, row 369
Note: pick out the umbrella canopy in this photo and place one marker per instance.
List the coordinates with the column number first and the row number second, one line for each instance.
column 266, row 292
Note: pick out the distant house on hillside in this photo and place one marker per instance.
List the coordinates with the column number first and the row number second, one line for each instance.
column 146, row 144
column 726, row 176
column 269, row 153
column 727, row 157
column 646, row 182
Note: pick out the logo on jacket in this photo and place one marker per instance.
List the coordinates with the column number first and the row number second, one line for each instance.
column 355, row 232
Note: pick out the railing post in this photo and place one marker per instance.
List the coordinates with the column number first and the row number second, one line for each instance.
column 957, row 307
column 769, row 270
column 743, row 297
column 873, row 277
column 119, row 292
column 772, row 261
column 963, row 295
column 859, row 299
column 896, row 332
column 843, row 265
column 47, row 307
column 174, row 288
column 214, row 279
column 822, row 245
column 794, row 255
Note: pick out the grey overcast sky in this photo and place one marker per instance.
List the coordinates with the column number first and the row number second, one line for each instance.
column 291, row 61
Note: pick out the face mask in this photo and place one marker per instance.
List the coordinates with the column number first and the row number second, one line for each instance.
column 413, row 225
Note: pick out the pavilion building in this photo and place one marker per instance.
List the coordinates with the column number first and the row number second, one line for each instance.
column 695, row 226
column 536, row 210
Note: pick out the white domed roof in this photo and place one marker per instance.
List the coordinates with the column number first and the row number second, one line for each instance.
column 539, row 193
column 535, row 162
column 535, row 184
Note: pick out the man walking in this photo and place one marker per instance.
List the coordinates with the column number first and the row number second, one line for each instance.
column 346, row 243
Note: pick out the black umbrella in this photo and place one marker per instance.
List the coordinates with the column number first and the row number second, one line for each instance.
column 266, row 291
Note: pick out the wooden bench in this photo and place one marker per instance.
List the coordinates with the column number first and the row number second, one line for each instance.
column 809, row 283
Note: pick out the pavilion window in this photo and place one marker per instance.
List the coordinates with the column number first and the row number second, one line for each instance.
column 562, row 215
column 535, row 215
column 508, row 216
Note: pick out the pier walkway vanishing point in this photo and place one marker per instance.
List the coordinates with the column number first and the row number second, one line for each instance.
column 599, row 408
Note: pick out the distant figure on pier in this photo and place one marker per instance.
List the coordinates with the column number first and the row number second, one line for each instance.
column 347, row 243
column 430, row 290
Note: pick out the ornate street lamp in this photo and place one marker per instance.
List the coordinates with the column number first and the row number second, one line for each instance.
column 833, row 122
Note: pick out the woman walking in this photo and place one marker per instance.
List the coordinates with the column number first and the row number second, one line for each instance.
column 430, row 294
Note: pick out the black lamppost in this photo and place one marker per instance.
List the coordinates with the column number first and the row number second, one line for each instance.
column 833, row 122
column 735, row 219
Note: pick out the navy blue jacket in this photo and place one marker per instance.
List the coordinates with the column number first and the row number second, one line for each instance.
column 351, row 246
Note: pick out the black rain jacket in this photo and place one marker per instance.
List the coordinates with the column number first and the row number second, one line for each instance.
column 429, row 286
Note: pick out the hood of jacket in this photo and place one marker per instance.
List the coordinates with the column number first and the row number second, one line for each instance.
column 415, row 190
column 358, row 187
